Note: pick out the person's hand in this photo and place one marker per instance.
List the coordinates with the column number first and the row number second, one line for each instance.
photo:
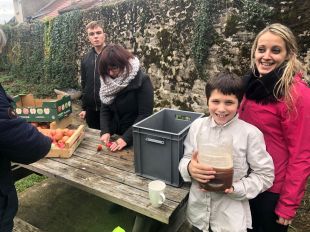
column 201, row 172
column 105, row 138
column 82, row 114
column 118, row 145
column 284, row 221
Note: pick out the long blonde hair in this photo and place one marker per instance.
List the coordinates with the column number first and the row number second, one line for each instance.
column 292, row 67
column 2, row 40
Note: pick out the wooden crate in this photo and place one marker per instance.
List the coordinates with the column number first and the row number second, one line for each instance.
column 70, row 145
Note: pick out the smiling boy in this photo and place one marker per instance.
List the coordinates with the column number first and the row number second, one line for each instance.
column 253, row 167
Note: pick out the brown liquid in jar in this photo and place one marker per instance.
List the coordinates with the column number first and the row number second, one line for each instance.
column 223, row 180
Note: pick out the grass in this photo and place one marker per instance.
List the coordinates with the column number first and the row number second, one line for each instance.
column 28, row 182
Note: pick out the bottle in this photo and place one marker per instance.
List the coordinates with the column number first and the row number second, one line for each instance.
column 217, row 152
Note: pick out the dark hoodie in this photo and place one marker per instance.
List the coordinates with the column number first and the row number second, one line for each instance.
column 19, row 142
column 90, row 81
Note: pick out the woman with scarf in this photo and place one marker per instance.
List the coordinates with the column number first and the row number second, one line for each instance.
column 126, row 95
column 277, row 101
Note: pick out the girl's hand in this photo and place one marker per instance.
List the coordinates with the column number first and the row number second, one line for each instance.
column 118, row 145
column 105, row 138
column 200, row 172
column 284, row 221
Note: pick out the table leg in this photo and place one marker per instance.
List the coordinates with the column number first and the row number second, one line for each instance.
column 145, row 224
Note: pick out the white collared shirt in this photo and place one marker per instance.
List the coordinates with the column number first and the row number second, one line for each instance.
column 253, row 174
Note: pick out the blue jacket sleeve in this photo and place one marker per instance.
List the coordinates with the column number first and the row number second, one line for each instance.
column 19, row 141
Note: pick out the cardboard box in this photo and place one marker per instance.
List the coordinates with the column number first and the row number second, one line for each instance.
column 42, row 110
column 70, row 145
column 63, row 123
column 158, row 144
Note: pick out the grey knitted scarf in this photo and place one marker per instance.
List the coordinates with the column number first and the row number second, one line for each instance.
column 110, row 87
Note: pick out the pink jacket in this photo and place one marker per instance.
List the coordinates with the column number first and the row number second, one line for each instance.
column 287, row 139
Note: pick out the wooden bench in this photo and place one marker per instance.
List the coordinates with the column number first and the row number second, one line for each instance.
column 23, row 226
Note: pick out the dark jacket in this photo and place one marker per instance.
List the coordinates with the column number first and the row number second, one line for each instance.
column 131, row 105
column 90, row 81
column 19, row 142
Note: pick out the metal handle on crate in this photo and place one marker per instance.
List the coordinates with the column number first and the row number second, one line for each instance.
column 155, row 140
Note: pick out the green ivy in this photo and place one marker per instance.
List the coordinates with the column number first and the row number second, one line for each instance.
column 27, row 54
column 250, row 15
column 4, row 60
column 204, row 33
column 44, row 54
column 254, row 15
column 60, row 50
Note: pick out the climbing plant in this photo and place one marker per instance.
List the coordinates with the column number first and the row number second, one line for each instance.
column 27, row 53
column 60, row 49
column 204, row 33
column 44, row 53
column 4, row 62
column 254, row 15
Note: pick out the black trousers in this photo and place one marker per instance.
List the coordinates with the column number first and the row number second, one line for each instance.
column 263, row 215
column 93, row 119
column 8, row 210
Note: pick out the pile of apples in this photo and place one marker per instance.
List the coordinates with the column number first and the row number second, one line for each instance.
column 40, row 125
column 58, row 136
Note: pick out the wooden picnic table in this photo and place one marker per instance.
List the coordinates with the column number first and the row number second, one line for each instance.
column 111, row 176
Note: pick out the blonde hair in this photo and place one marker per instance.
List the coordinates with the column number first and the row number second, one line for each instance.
column 2, row 40
column 292, row 67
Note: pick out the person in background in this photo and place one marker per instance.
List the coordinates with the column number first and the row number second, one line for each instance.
column 277, row 101
column 90, row 79
column 19, row 142
column 228, row 210
column 126, row 95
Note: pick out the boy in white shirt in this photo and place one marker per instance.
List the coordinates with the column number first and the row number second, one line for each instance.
column 226, row 211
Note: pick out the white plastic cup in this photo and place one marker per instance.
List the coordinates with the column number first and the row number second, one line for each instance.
column 156, row 193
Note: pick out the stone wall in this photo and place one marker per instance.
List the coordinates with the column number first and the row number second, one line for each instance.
column 160, row 33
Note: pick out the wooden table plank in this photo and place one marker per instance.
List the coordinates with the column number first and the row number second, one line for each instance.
column 119, row 193
column 110, row 175
column 118, row 175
